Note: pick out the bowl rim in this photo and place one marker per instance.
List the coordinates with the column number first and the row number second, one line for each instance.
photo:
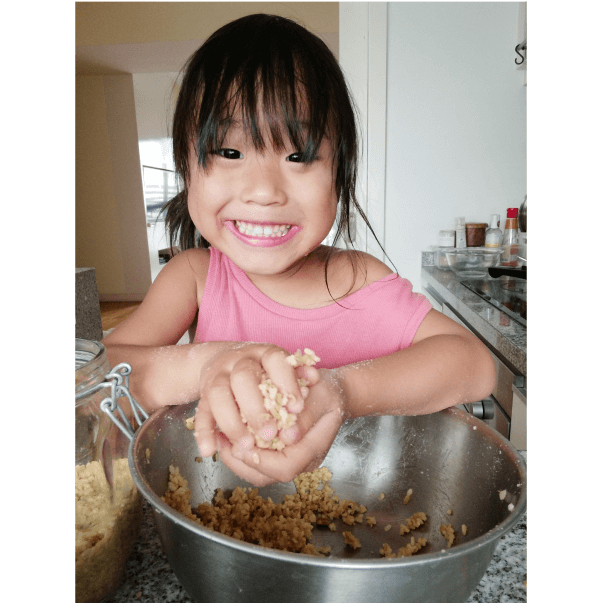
column 459, row 550
column 475, row 251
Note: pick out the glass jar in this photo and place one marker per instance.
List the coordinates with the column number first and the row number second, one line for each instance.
column 108, row 507
column 475, row 234
column 447, row 241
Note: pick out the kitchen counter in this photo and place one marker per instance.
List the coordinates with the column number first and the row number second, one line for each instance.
column 150, row 579
column 506, row 336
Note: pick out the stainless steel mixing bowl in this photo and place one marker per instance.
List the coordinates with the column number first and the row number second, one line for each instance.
column 450, row 459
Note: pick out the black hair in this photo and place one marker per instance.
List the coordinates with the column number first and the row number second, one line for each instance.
column 271, row 68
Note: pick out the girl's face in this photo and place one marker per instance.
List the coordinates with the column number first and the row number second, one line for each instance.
column 265, row 209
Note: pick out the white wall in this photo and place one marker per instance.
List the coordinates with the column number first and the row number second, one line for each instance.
column 456, row 121
column 155, row 95
column 110, row 233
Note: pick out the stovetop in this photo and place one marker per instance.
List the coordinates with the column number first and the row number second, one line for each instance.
column 507, row 294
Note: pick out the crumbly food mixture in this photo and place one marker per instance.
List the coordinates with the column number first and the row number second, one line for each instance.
column 276, row 402
column 287, row 526
column 105, row 529
column 247, row 516
column 448, row 533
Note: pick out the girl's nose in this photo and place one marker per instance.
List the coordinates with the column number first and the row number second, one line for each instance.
column 264, row 181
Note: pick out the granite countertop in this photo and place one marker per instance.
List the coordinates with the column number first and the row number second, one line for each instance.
column 150, row 579
column 507, row 336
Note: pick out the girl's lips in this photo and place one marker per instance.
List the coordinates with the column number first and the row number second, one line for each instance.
column 261, row 241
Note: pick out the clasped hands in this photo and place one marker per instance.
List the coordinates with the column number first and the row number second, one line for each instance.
column 231, row 402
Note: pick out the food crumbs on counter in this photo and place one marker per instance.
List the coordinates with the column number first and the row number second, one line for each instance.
column 138, row 594
column 409, row 493
column 189, row 423
column 215, row 457
column 448, row 533
column 387, row 527
column 502, row 494
column 351, row 540
column 381, row 496
column 449, row 511
column 198, row 459
column 464, row 529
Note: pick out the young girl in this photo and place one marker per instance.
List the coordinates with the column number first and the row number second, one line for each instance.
column 265, row 143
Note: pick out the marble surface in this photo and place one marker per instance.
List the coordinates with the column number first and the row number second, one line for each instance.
column 150, row 579
column 507, row 336
column 88, row 323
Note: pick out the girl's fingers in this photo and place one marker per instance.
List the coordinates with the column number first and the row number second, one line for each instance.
column 309, row 373
column 285, row 465
column 246, row 471
column 218, row 403
column 204, row 429
column 244, row 379
column 281, row 373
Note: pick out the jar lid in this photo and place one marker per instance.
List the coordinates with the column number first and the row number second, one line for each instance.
column 476, row 225
column 512, row 212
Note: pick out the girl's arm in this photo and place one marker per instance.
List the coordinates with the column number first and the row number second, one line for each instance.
column 446, row 365
column 164, row 373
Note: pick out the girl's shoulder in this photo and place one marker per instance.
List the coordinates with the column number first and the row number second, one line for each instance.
column 170, row 307
column 192, row 264
column 353, row 270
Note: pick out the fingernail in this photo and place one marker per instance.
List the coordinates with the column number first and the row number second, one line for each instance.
column 243, row 446
column 205, row 449
column 296, row 405
column 268, row 432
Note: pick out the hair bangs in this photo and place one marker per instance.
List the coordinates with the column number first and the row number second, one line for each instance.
column 275, row 92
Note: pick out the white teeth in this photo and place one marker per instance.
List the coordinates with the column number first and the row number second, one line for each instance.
column 256, row 230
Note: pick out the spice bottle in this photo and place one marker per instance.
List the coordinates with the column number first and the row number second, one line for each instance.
column 108, row 507
column 460, row 233
column 494, row 235
column 510, row 239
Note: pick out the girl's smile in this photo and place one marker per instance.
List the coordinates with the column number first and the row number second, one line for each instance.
column 262, row 235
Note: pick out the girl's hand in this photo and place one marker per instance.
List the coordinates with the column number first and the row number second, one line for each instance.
column 231, row 399
column 318, row 425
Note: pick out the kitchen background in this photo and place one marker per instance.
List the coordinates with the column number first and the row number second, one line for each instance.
column 442, row 102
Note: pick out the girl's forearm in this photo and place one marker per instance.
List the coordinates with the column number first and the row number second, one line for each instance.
column 433, row 374
column 164, row 375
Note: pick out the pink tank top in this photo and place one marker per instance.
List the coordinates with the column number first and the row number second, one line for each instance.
column 372, row 322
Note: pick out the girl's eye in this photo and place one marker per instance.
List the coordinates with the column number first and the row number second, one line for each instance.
column 295, row 158
column 230, row 153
